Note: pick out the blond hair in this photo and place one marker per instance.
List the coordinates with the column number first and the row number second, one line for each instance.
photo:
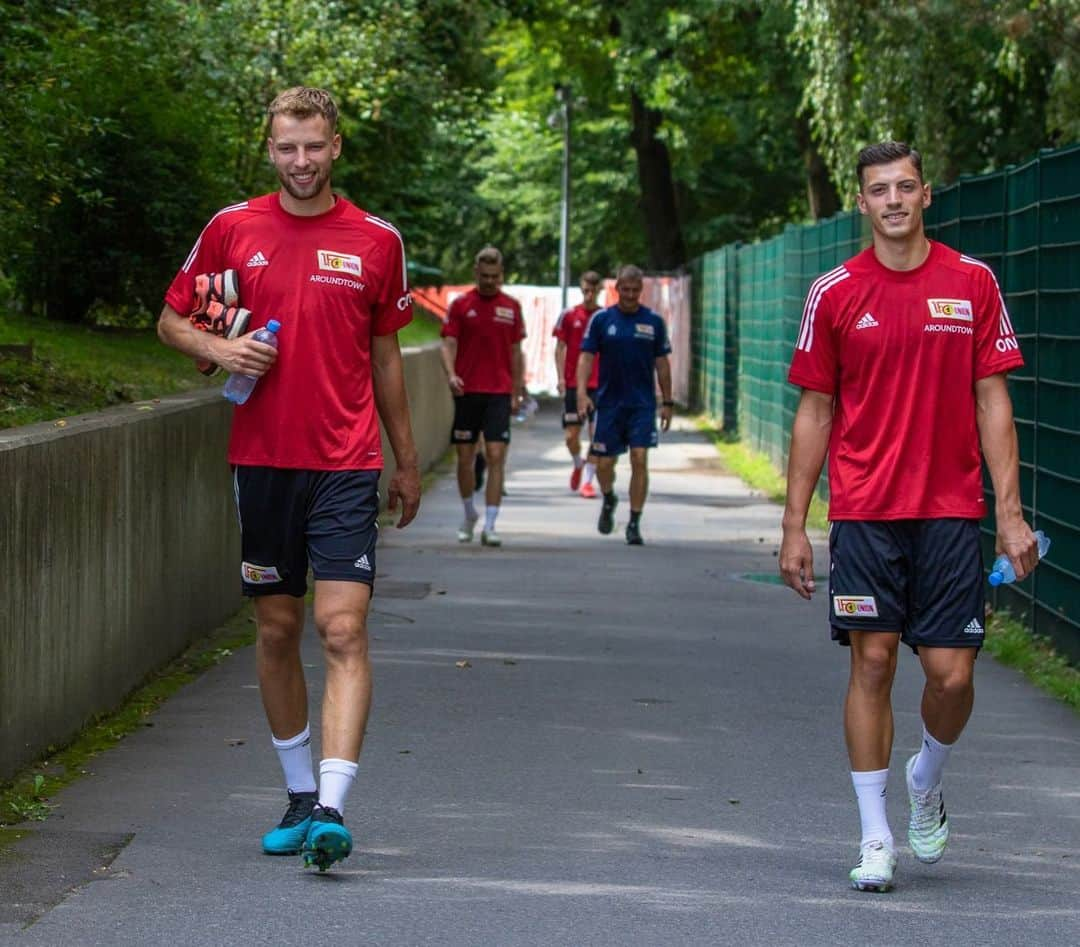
column 304, row 102
column 489, row 255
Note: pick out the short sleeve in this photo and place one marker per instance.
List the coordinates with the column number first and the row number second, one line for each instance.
column 559, row 332
column 590, row 341
column 393, row 308
column 207, row 256
column 996, row 347
column 814, row 362
column 662, row 343
column 451, row 327
column 519, row 322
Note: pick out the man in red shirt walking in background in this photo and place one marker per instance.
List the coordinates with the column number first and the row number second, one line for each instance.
column 484, row 364
column 902, row 356
column 569, row 330
column 305, row 448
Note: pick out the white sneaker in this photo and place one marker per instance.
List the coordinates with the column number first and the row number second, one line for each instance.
column 489, row 538
column 928, row 826
column 465, row 530
column 875, row 868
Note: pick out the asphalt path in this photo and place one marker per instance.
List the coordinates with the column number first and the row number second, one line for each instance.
column 573, row 742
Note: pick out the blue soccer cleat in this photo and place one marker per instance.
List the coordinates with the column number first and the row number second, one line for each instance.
column 327, row 839
column 288, row 837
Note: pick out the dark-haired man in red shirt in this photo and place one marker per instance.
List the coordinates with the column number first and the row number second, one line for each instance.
column 484, row 364
column 305, row 448
column 902, row 355
column 570, row 330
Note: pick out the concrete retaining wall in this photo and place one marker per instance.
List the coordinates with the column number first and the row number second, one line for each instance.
column 119, row 547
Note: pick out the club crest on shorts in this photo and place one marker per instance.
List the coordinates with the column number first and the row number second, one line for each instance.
column 855, row 606
column 259, row 575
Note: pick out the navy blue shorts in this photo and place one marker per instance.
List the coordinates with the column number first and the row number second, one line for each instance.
column 475, row 413
column 923, row 578
column 290, row 518
column 570, row 416
column 620, row 427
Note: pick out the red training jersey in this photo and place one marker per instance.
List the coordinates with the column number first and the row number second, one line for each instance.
column 486, row 329
column 333, row 281
column 901, row 352
column 570, row 328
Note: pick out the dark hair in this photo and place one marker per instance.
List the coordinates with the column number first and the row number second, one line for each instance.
column 591, row 278
column 885, row 152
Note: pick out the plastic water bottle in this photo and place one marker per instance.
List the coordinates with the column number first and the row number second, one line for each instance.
column 1002, row 572
column 239, row 387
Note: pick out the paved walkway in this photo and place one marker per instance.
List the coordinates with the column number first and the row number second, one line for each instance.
column 574, row 742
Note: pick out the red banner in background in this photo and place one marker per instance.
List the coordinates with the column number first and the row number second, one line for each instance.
column 541, row 305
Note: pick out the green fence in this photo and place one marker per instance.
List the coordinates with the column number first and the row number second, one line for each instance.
column 1025, row 223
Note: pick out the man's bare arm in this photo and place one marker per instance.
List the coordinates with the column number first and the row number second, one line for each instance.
column 809, row 444
column 997, row 437
column 392, row 403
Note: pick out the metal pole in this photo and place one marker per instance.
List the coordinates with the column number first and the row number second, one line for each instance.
column 562, row 93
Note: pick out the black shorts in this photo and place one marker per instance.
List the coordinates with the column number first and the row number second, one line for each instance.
column 476, row 413
column 923, row 578
column 570, row 416
column 289, row 518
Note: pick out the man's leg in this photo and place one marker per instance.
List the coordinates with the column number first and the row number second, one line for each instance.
column 605, row 476
column 639, row 490
column 466, row 478
column 279, row 622
column 572, row 433
column 948, row 696
column 341, row 620
column 868, row 730
column 495, row 451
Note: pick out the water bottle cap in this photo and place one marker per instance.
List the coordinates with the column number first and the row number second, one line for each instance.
column 996, row 578
column 273, row 325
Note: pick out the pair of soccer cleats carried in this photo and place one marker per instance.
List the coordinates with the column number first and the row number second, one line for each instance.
column 310, row 830
column 216, row 308
column 928, row 834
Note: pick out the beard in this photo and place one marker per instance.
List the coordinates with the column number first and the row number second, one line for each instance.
column 316, row 187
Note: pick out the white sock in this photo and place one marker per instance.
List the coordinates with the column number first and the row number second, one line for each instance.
column 870, row 791
column 470, row 507
column 295, row 757
column 335, row 780
column 489, row 518
column 930, row 763
column 590, row 472
column 578, row 461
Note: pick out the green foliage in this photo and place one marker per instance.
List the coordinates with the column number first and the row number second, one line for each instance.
column 76, row 369
column 973, row 84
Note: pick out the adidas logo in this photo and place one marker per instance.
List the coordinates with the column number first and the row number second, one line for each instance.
column 362, row 563
column 973, row 627
column 866, row 322
column 258, row 260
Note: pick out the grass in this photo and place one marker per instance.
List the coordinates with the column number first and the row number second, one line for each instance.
column 76, row 369
column 1006, row 638
column 26, row 796
column 1035, row 657
column 757, row 471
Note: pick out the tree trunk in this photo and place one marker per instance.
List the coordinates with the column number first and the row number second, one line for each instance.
column 667, row 251
column 820, row 190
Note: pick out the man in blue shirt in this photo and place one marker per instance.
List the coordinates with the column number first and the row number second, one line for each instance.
column 632, row 341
